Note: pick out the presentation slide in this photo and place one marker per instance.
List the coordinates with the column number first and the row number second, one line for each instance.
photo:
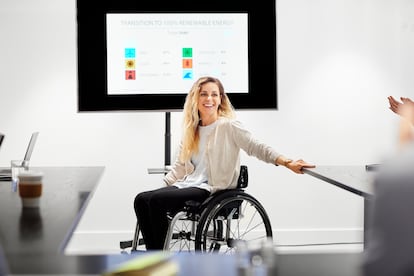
column 164, row 53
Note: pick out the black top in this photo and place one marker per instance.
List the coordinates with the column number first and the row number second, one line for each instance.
column 355, row 179
column 29, row 233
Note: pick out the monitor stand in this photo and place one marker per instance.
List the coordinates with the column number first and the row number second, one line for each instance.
column 167, row 148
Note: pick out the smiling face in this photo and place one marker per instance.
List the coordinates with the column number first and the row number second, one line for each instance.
column 208, row 103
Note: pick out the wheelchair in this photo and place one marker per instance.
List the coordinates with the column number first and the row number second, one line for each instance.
column 216, row 225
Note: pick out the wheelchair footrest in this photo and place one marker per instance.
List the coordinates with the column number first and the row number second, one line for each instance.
column 125, row 244
column 128, row 244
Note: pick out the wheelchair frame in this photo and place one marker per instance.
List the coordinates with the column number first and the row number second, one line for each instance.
column 215, row 225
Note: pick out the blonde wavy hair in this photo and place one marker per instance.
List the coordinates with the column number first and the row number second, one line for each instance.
column 192, row 117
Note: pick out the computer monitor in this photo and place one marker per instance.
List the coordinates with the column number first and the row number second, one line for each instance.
column 146, row 55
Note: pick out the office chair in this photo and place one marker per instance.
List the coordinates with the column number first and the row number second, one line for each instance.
column 390, row 233
column 215, row 225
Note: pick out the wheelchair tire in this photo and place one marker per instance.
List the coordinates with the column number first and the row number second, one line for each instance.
column 229, row 218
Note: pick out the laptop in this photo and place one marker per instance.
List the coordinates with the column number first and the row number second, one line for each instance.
column 5, row 174
column 1, row 141
column 1, row 138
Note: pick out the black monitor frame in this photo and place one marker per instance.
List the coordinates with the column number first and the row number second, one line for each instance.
column 91, row 30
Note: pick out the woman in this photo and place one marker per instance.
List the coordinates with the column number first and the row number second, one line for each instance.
column 208, row 160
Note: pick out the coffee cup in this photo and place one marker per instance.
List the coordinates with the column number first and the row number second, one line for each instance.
column 30, row 188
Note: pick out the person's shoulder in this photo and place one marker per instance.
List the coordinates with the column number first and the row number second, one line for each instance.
column 230, row 124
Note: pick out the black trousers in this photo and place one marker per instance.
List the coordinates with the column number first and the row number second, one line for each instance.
column 151, row 209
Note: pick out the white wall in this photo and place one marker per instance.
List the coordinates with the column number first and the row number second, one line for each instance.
column 337, row 61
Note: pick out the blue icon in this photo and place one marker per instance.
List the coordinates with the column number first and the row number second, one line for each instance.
column 129, row 52
column 187, row 74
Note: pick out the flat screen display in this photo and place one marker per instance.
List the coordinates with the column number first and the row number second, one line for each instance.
column 165, row 53
column 146, row 56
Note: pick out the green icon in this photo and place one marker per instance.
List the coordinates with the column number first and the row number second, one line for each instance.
column 187, row 52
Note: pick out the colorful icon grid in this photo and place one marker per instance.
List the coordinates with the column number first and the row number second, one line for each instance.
column 130, row 63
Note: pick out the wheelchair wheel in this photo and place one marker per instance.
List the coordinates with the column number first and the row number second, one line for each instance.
column 181, row 234
column 231, row 218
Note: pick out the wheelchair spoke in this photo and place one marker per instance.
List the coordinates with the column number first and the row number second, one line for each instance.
column 182, row 237
column 234, row 219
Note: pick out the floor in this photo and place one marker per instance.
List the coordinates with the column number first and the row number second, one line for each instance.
column 108, row 243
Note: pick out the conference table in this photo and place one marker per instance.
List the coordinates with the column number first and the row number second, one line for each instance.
column 33, row 240
column 354, row 179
